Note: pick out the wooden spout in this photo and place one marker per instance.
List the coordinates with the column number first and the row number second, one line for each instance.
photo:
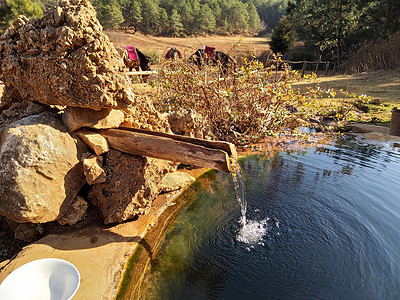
column 199, row 152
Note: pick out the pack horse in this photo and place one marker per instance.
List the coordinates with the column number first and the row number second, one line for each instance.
column 134, row 59
column 208, row 55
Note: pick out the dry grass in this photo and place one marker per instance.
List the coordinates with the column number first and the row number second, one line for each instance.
column 384, row 54
column 189, row 45
column 382, row 87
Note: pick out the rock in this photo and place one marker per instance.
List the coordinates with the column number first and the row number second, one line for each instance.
column 75, row 118
column 13, row 110
column 94, row 141
column 27, row 232
column 64, row 59
column 365, row 128
column 40, row 169
column 131, row 186
column 143, row 115
column 188, row 122
column 175, row 181
column 94, row 172
column 76, row 211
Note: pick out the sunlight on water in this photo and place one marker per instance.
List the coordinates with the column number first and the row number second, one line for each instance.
column 317, row 224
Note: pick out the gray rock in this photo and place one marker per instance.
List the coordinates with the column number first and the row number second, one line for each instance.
column 175, row 181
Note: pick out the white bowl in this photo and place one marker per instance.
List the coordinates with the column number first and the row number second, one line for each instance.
column 42, row 279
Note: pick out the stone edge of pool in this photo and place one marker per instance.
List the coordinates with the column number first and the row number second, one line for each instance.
column 101, row 252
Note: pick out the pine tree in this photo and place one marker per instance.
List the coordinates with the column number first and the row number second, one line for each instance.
column 283, row 36
column 175, row 24
column 9, row 10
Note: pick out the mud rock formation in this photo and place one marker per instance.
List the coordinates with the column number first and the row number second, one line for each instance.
column 131, row 186
column 75, row 212
column 40, row 169
column 64, row 65
column 93, row 169
column 75, row 118
column 63, row 59
column 187, row 122
column 143, row 115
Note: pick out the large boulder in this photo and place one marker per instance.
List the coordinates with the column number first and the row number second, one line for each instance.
column 132, row 184
column 63, row 59
column 40, row 169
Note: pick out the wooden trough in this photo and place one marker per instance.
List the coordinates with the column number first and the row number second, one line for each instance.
column 199, row 152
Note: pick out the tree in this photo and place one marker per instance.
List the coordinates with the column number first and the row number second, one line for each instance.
column 150, row 17
column 175, row 24
column 205, row 20
column 270, row 11
column 9, row 10
column 283, row 36
column 109, row 13
column 324, row 23
column 379, row 18
column 254, row 19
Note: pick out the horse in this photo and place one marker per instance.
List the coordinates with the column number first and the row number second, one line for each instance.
column 134, row 59
column 173, row 54
column 209, row 55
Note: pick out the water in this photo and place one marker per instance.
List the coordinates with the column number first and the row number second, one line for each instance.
column 322, row 223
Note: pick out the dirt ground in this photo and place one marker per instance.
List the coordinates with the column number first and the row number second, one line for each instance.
column 189, row 45
column 383, row 88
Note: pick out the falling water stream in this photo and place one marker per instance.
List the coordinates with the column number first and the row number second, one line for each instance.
column 251, row 231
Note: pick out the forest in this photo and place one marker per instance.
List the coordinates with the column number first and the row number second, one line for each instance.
column 167, row 17
column 329, row 30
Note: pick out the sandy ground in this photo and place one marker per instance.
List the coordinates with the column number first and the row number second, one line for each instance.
column 99, row 252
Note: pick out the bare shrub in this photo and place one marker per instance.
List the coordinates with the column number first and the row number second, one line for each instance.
column 242, row 107
column 380, row 55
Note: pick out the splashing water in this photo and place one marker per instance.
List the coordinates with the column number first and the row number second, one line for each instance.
column 251, row 231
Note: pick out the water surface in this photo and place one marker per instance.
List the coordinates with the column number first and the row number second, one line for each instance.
column 323, row 223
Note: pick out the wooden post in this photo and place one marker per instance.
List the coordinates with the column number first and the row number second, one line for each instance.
column 327, row 68
column 303, row 69
column 316, row 68
column 164, row 147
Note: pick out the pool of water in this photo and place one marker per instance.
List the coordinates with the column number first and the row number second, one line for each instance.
column 322, row 223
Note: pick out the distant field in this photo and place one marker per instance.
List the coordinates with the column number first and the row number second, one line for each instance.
column 189, row 45
column 383, row 88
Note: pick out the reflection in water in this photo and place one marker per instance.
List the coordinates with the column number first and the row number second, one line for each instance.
column 329, row 229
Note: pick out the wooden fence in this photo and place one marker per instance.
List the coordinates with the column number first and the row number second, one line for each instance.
column 304, row 64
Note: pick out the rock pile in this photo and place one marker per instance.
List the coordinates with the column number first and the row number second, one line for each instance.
column 61, row 73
